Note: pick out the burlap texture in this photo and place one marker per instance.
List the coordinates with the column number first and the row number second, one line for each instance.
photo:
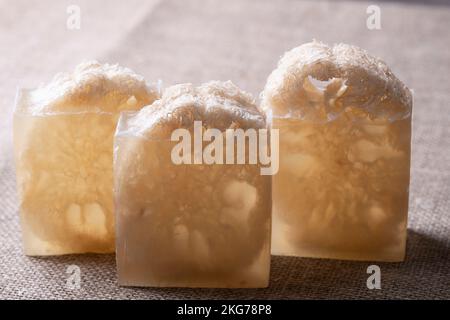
column 241, row 40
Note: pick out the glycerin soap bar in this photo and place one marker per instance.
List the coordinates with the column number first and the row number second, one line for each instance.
column 190, row 223
column 344, row 122
column 63, row 139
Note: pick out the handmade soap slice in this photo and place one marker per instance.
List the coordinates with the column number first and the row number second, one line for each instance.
column 63, row 136
column 190, row 225
column 345, row 133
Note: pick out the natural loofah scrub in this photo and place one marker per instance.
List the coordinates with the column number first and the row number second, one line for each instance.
column 63, row 137
column 345, row 135
column 219, row 105
column 190, row 225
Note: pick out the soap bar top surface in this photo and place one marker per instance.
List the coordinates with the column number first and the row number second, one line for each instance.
column 219, row 105
column 319, row 82
column 91, row 87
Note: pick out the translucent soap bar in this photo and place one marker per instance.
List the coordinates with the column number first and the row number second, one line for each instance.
column 63, row 139
column 189, row 225
column 345, row 134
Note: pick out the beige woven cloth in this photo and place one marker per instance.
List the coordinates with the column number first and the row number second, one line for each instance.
column 240, row 40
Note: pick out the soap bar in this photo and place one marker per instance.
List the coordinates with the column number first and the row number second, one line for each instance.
column 344, row 123
column 63, row 139
column 190, row 224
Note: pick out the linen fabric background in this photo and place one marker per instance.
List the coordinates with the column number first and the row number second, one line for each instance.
column 241, row 40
